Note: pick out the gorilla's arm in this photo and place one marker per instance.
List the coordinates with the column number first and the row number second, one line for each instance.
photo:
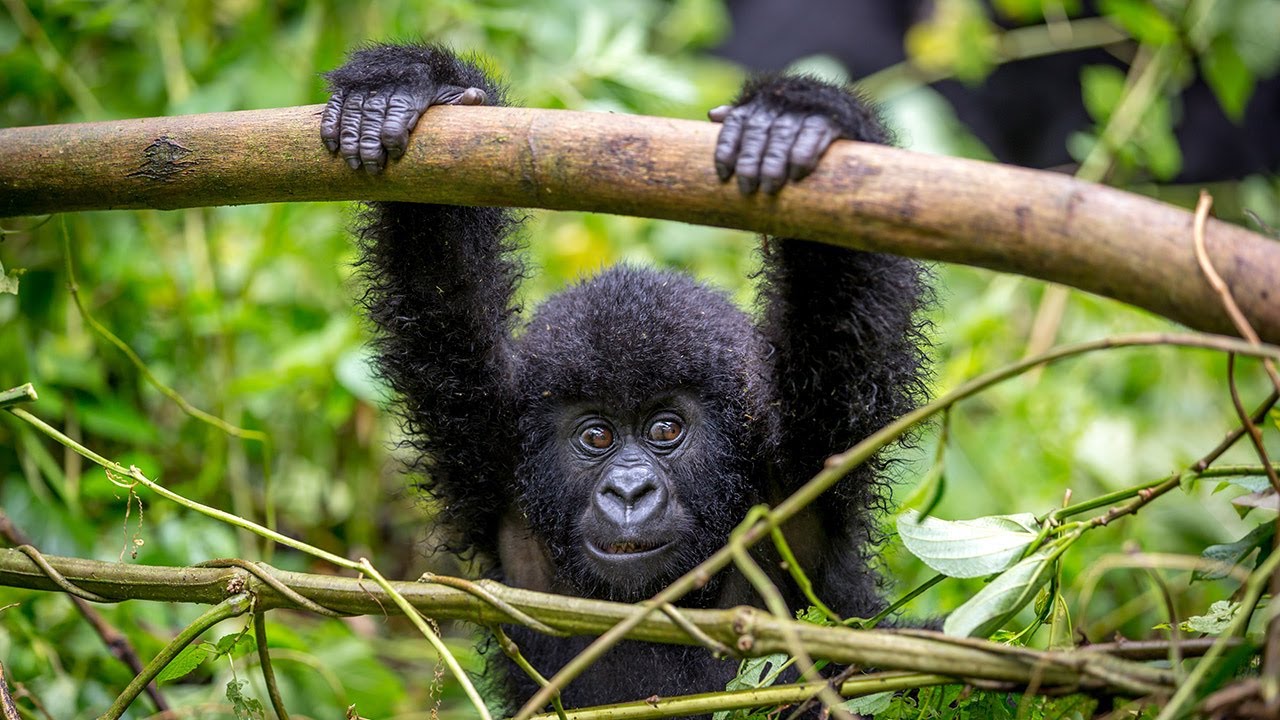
column 439, row 281
column 843, row 323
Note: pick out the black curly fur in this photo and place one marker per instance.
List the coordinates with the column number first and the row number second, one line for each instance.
column 836, row 354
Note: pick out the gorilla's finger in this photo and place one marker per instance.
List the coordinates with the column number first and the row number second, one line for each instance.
column 457, row 95
column 816, row 135
column 754, row 139
column 329, row 121
column 373, row 116
column 719, row 113
column 402, row 115
column 349, row 129
column 473, row 96
column 728, row 142
column 773, row 166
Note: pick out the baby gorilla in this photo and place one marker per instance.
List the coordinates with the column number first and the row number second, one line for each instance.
column 611, row 442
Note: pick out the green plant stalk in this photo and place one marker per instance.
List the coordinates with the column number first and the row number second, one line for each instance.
column 22, row 394
column 798, row 575
column 264, row 662
column 778, row 606
column 837, row 466
column 1255, row 586
column 707, row 703
column 512, row 651
column 1105, row 500
column 420, row 622
column 916, row 592
column 229, row 608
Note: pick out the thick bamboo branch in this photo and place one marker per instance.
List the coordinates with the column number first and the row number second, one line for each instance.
column 751, row 631
column 1034, row 223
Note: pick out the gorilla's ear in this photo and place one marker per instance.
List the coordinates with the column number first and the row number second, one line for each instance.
column 526, row 563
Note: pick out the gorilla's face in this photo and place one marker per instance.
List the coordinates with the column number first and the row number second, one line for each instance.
column 633, row 497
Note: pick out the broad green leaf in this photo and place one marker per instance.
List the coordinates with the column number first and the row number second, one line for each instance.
column 968, row 548
column 992, row 607
column 869, row 704
column 1101, row 86
column 1141, row 19
column 1215, row 622
column 189, row 659
column 1252, row 483
column 1230, row 554
column 1227, row 75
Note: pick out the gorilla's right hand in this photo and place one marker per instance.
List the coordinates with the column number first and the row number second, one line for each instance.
column 378, row 97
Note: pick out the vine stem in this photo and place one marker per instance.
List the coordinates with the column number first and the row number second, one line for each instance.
column 229, row 608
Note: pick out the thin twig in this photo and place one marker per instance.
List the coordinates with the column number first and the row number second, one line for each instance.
column 264, row 662
column 7, row 706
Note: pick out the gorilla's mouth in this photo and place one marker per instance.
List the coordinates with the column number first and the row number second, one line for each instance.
column 625, row 550
column 630, row 548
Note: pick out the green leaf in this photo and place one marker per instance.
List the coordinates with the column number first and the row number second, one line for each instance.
column 1216, row 621
column 1252, row 483
column 869, row 704
column 968, row 548
column 9, row 280
column 1228, row 76
column 1231, row 554
column 987, row 611
column 1101, row 86
column 246, row 708
column 755, row 672
column 189, row 659
column 238, row 642
column 1141, row 19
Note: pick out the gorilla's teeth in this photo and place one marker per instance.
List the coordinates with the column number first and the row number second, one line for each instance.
column 627, row 548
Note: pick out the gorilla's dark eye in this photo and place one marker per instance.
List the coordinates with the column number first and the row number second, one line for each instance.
column 598, row 437
column 666, row 431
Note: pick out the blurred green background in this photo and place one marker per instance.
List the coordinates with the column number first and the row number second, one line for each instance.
column 248, row 312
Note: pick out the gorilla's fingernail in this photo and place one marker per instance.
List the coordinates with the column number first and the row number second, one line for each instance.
column 473, row 96
column 723, row 171
column 332, row 145
column 747, row 185
column 353, row 163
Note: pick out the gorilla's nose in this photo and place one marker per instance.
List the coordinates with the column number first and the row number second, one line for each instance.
column 631, row 497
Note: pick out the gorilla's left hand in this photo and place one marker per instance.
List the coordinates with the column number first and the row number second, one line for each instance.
column 368, row 118
column 765, row 145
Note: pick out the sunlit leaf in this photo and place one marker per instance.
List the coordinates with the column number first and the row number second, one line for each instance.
column 186, row 661
column 1231, row 554
column 968, row 548
column 1228, row 76
column 1001, row 599
column 1216, row 621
